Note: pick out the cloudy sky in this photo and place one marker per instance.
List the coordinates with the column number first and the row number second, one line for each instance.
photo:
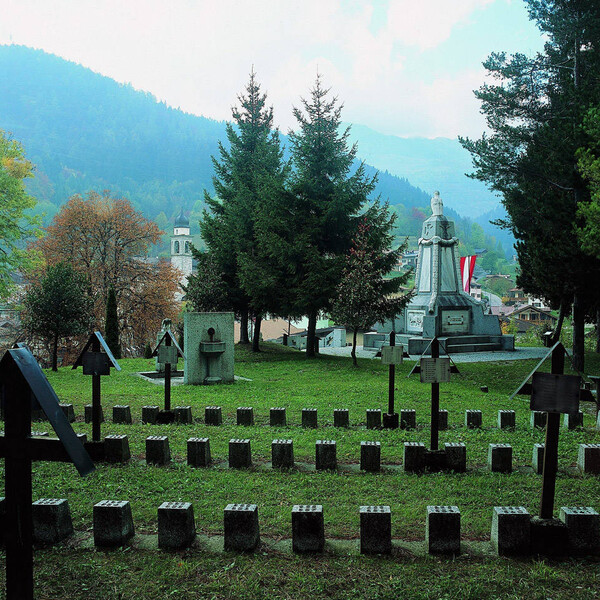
column 401, row 67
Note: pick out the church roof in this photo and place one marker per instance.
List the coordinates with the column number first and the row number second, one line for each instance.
column 182, row 220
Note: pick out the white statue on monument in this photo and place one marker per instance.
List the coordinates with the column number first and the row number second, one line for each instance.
column 437, row 206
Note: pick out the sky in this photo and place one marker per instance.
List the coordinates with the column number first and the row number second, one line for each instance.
column 402, row 67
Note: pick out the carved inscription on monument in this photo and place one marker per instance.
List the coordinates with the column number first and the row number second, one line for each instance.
column 414, row 320
column 455, row 321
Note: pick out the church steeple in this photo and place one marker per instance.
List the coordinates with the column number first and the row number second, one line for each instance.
column 181, row 251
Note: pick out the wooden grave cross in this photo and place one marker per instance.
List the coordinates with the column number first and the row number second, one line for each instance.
column 168, row 352
column 96, row 359
column 23, row 384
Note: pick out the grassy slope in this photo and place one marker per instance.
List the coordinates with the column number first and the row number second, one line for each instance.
column 285, row 378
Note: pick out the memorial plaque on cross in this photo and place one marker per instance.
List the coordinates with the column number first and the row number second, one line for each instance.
column 168, row 352
column 22, row 384
column 96, row 359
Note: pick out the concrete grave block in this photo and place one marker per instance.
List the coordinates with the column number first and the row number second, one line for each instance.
column 442, row 530
column 116, row 449
column 473, row 419
column 341, row 417
column 506, row 419
column 391, row 420
column 408, row 418
column 176, row 527
column 150, row 414
column 573, row 421
column 277, row 417
column 373, row 418
column 183, row 415
column 241, row 527
column 583, row 527
column 213, row 415
column 113, row 523
column 51, row 520
column 240, row 456
column 511, row 530
column 122, row 414
column 414, row 457
column 325, row 455
column 282, row 454
column 309, row 417
column 157, row 450
column 375, row 529
column 537, row 419
column 500, row 458
column 588, row 458
column 308, row 528
column 456, row 456
column 165, row 417
column 370, row 456
column 549, row 537
column 69, row 412
column 245, row 415
column 198, row 452
column 87, row 413
column 538, row 458
column 443, row 420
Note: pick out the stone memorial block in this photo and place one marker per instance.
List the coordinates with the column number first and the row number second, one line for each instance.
column 113, row 523
column 240, row 456
column 69, row 412
column 87, row 413
column 500, row 458
column 116, row 449
column 309, row 417
column 326, row 457
column 51, row 520
column 473, row 419
column 282, row 454
column 375, row 530
column 122, row 414
column 308, row 528
column 588, row 458
column 183, row 415
column 442, row 530
column 150, row 414
column 245, row 415
column 506, row 419
column 511, row 530
column 456, row 456
column 370, row 456
column 373, row 418
column 538, row 458
column 277, row 417
column 341, row 417
column 414, row 457
column 573, row 421
column 176, row 527
column 213, row 415
column 443, row 420
column 241, row 527
column 408, row 418
column 157, row 450
column 549, row 537
column 198, row 452
column 583, row 529
column 538, row 419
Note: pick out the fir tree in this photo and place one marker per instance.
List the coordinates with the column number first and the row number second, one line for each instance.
column 111, row 327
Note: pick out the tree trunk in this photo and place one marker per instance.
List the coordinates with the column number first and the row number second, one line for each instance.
column 578, row 333
column 353, row 353
column 244, row 327
column 256, row 336
column 311, row 335
column 55, row 353
column 561, row 317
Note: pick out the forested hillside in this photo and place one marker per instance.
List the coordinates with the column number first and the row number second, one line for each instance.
column 85, row 131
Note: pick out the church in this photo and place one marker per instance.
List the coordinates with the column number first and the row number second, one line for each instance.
column 181, row 250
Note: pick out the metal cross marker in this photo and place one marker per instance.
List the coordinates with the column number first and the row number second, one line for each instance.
column 22, row 384
column 168, row 352
column 441, row 368
column 391, row 355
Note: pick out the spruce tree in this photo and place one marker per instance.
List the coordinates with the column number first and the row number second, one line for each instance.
column 111, row 327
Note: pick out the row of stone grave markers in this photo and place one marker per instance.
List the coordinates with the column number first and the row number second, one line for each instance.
column 514, row 532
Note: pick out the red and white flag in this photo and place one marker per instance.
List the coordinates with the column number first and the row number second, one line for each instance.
column 467, row 266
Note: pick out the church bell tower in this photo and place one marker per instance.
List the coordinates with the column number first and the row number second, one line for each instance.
column 181, row 251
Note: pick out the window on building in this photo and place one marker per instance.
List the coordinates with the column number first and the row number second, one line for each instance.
column 176, row 247
column 187, row 248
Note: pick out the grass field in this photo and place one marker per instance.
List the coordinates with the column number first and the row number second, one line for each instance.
column 281, row 377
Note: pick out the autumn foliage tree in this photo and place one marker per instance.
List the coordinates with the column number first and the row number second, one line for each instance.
column 108, row 241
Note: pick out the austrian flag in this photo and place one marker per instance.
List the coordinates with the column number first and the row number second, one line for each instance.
column 467, row 266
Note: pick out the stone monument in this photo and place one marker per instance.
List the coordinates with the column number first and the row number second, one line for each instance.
column 440, row 307
column 208, row 343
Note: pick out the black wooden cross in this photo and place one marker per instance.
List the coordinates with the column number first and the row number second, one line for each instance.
column 23, row 383
column 391, row 355
column 168, row 352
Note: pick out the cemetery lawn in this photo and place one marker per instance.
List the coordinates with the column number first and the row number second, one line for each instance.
column 279, row 377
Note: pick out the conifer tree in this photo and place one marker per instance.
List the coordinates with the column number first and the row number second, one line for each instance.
column 111, row 328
